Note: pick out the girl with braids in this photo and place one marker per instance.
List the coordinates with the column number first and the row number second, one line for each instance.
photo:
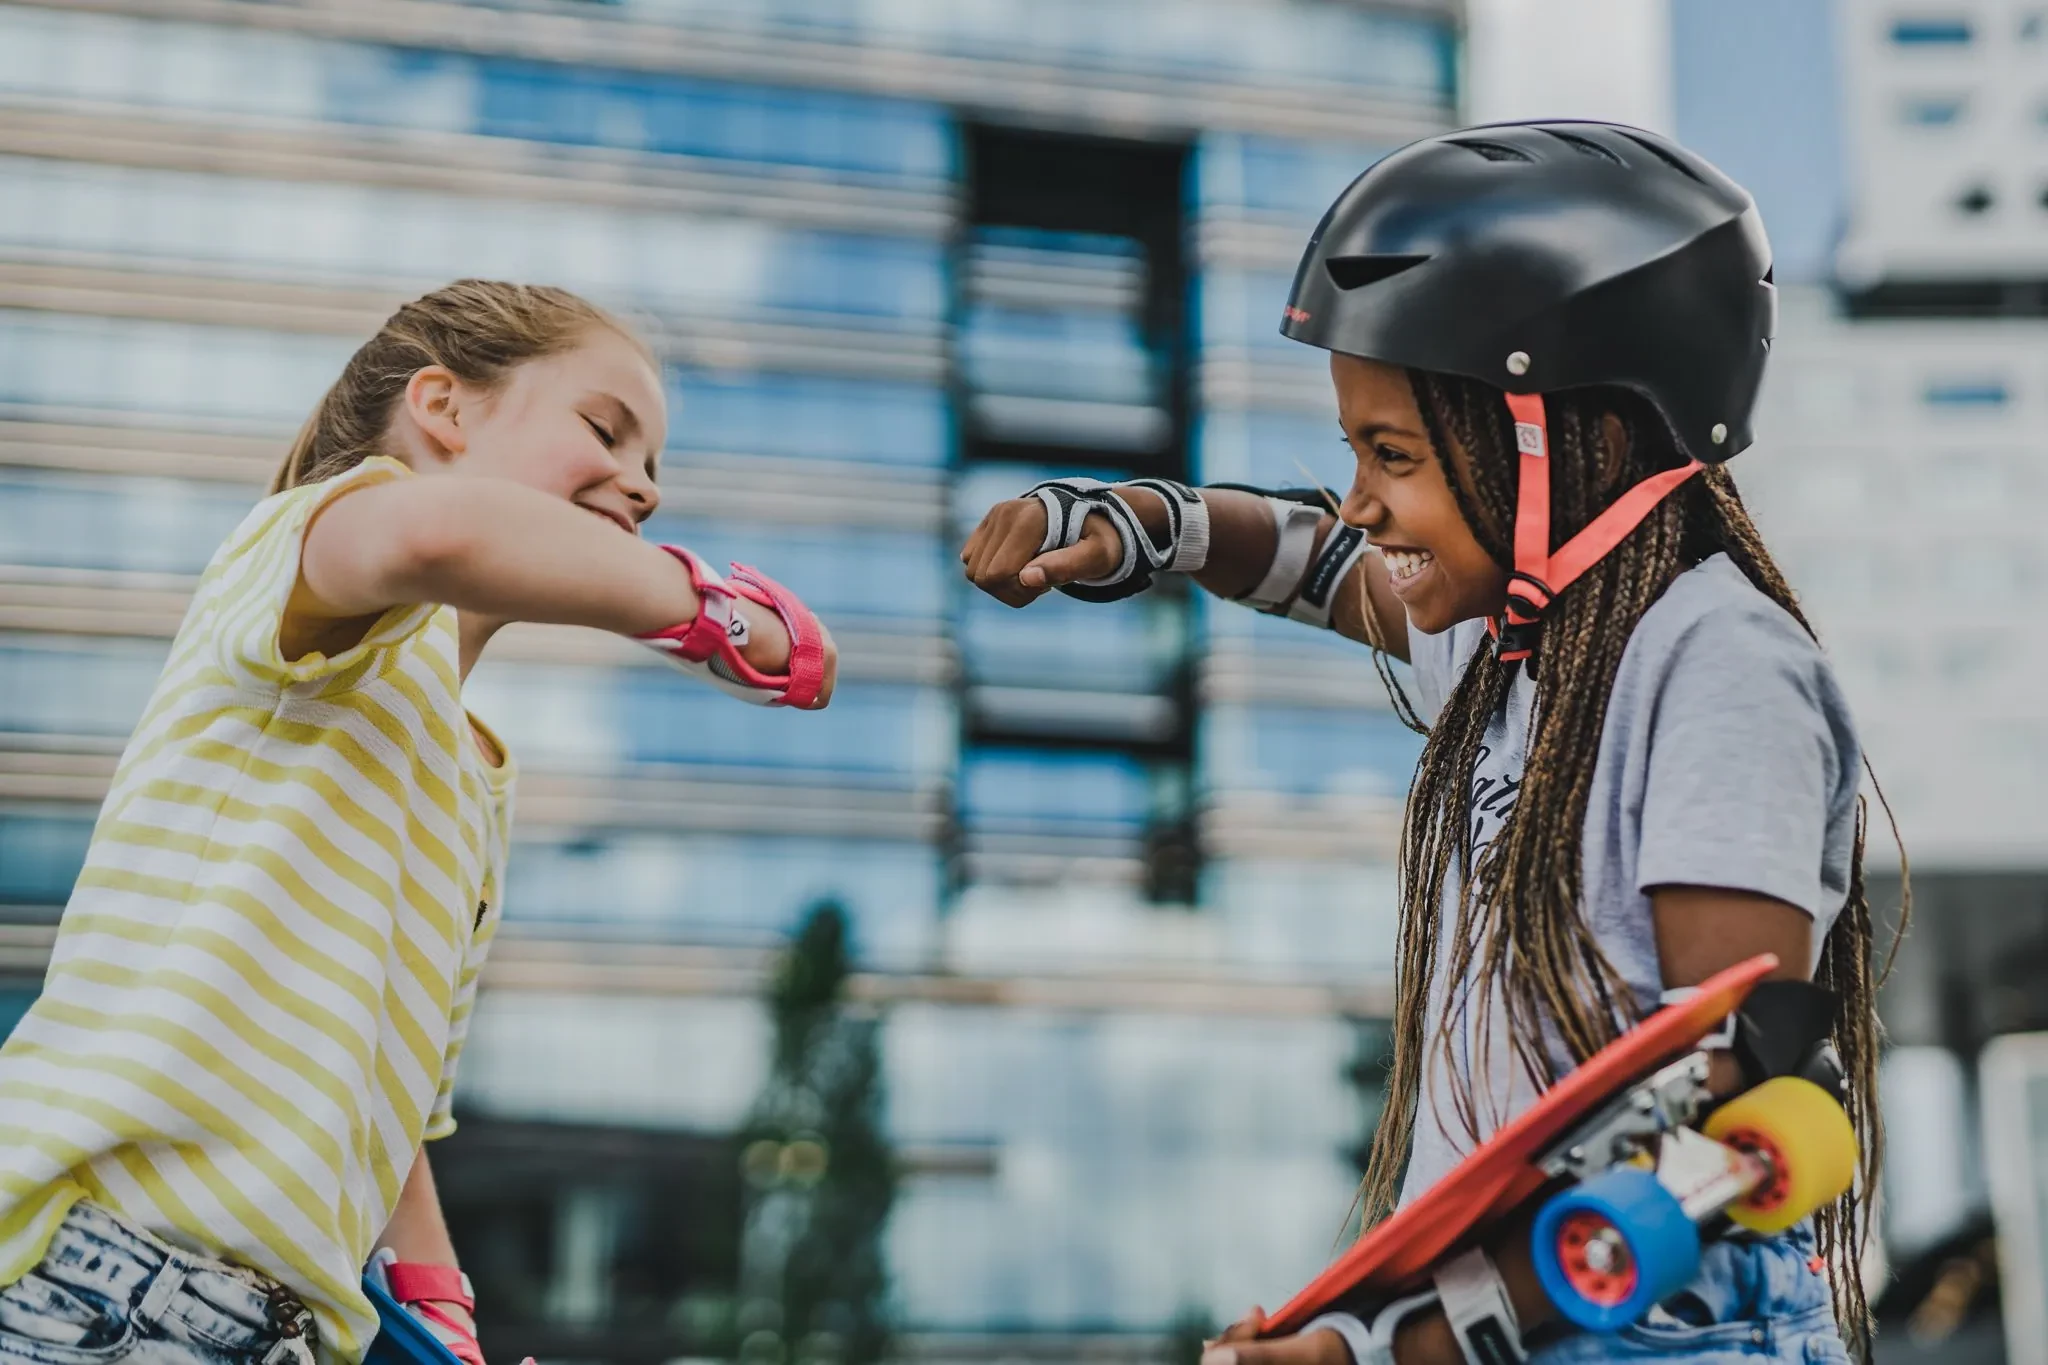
column 216, row 1111
column 1639, row 770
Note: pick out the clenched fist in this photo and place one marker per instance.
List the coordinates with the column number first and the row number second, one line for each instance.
column 1002, row 558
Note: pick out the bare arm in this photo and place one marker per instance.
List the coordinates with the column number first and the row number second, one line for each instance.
column 418, row 1232
column 1001, row 558
column 501, row 551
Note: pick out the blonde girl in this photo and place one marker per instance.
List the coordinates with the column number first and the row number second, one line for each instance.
column 262, row 982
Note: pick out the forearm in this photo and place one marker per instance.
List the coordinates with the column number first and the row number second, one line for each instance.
column 507, row 553
column 417, row 1231
column 1242, row 543
column 511, row 554
column 1426, row 1338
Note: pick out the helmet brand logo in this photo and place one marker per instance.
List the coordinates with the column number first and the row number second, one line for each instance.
column 1293, row 314
column 1529, row 439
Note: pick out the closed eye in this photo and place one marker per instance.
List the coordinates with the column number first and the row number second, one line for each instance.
column 604, row 434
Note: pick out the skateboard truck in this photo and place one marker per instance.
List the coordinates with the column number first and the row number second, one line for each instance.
column 1627, row 1233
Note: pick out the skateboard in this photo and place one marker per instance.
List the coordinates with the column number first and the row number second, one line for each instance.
column 1624, row 1184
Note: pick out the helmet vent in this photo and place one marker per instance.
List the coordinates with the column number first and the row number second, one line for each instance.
column 1492, row 151
column 1665, row 156
column 1583, row 146
column 1355, row 272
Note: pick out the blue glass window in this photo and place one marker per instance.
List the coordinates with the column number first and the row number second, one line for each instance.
column 1047, row 790
column 361, row 232
column 65, row 360
column 220, row 69
column 807, row 416
column 1293, row 179
column 1241, row 308
column 1966, row 393
column 141, row 525
column 546, row 102
column 728, row 888
column 1272, row 449
column 895, row 575
column 1932, row 32
column 1932, row 111
column 871, row 728
column 595, row 720
column 40, row 857
column 55, row 684
column 1307, row 751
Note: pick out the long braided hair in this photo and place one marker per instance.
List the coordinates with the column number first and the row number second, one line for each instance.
column 1519, row 933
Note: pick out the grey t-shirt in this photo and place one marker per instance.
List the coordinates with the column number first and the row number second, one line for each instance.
column 1727, row 759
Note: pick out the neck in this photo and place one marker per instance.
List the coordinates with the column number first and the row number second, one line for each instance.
column 474, row 632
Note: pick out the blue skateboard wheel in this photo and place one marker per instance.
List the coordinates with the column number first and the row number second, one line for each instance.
column 1607, row 1250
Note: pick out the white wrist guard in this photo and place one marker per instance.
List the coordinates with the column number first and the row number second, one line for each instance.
column 1187, row 524
column 1295, row 524
column 1067, row 504
column 1371, row 1343
column 1482, row 1317
column 1341, row 552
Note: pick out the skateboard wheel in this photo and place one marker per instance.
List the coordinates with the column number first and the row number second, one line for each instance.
column 1803, row 1133
column 1609, row 1249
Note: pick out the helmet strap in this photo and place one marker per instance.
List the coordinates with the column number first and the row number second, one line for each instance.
column 1540, row 575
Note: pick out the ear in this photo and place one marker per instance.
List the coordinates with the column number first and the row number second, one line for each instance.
column 434, row 402
column 1614, row 445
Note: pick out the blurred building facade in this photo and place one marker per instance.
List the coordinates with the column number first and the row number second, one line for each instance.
column 1900, row 155
column 1118, row 877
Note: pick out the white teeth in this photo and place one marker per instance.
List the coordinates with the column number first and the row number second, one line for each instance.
column 1405, row 564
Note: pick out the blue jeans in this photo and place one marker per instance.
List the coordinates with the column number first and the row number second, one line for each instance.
column 1754, row 1303
column 106, row 1292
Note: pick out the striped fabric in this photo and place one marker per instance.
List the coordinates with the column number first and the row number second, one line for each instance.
column 265, row 973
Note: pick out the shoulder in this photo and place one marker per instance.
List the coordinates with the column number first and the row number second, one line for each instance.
column 1715, row 642
column 281, row 519
column 1713, row 617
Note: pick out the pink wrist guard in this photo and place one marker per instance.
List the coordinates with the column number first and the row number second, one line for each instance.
column 709, row 645
column 423, row 1289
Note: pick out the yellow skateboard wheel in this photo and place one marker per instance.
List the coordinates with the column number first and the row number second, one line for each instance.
column 1802, row 1131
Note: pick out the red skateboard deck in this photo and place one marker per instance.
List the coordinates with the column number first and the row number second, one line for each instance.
column 1501, row 1173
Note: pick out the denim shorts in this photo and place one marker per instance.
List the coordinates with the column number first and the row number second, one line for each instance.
column 1756, row 1302
column 106, row 1292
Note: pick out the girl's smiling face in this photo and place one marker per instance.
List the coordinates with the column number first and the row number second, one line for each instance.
column 1401, row 498
column 585, row 425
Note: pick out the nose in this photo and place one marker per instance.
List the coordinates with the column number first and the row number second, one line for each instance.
column 1362, row 506
column 641, row 490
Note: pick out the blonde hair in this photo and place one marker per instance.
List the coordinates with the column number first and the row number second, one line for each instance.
column 480, row 330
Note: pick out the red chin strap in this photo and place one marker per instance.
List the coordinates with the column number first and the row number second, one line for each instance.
column 1539, row 575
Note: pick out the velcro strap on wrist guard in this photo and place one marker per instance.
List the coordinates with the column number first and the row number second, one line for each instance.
column 421, row 1289
column 708, row 646
column 1187, row 525
column 1295, row 526
column 1341, row 552
column 1482, row 1317
column 1067, row 504
column 1371, row 1343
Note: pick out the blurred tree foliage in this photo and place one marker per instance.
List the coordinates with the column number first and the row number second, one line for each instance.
column 820, row 1176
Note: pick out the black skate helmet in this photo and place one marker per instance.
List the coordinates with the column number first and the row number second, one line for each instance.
column 1546, row 256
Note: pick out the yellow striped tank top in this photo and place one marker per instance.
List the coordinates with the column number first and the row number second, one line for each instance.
column 265, row 973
